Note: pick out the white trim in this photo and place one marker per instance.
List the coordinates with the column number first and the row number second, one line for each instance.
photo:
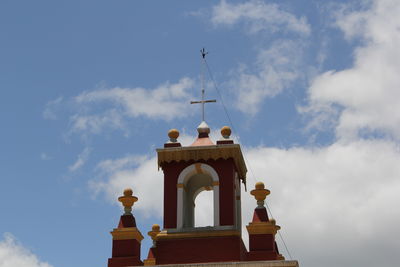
column 187, row 172
column 210, row 171
column 191, row 169
column 238, row 208
column 179, row 210
column 216, row 205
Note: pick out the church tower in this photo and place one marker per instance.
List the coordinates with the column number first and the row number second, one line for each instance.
column 188, row 170
column 219, row 168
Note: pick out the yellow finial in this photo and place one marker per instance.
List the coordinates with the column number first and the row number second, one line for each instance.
column 260, row 193
column 155, row 230
column 127, row 201
column 173, row 135
column 226, row 132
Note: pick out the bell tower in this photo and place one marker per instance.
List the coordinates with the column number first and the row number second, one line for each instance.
column 203, row 165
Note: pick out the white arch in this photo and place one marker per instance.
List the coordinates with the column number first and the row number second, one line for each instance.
column 183, row 178
column 197, row 168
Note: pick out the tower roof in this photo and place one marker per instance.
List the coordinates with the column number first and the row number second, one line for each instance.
column 204, row 152
column 203, row 139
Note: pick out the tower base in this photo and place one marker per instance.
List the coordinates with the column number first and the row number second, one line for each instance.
column 275, row 263
column 124, row 261
column 198, row 246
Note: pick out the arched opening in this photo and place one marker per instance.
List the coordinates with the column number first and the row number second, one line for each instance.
column 193, row 186
column 204, row 209
column 194, row 181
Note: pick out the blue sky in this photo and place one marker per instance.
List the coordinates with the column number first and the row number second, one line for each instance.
column 89, row 90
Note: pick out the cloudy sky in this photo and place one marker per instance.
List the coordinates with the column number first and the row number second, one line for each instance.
column 89, row 90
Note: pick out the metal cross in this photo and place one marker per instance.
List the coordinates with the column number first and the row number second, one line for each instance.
column 202, row 101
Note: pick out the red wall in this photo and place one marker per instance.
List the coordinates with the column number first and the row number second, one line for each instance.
column 226, row 173
column 171, row 173
column 125, row 248
column 197, row 250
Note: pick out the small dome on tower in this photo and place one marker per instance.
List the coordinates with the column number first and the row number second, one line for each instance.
column 203, row 128
column 203, row 139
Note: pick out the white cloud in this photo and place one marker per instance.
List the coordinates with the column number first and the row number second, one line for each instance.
column 136, row 172
column 330, row 201
column 166, row 102
column 259, row 16
column 81, row 160
column 95, row 123
column 334, row 200
column 277, row 68
column 13, row 254
column 110, row 108
column 366, row 96
column 49, row 111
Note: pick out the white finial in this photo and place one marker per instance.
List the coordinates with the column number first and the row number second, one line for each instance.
column 203, row 128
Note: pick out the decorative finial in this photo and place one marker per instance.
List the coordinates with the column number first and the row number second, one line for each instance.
column 127, row 201
column 173, row 135
column 155, row 230
column 226, row 132
column 203, row 128
column 260, row 193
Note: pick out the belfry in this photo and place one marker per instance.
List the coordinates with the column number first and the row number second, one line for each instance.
column 188, row 170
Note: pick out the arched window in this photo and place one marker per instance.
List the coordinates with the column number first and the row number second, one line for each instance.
column 193, row 180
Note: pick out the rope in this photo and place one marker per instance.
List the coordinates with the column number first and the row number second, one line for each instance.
column 227, row 114
column 244, row 155
column 279, row 233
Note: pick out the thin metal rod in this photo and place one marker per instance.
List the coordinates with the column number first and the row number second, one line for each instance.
column 202, row 87
column 203, row 65
column 202, row 73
